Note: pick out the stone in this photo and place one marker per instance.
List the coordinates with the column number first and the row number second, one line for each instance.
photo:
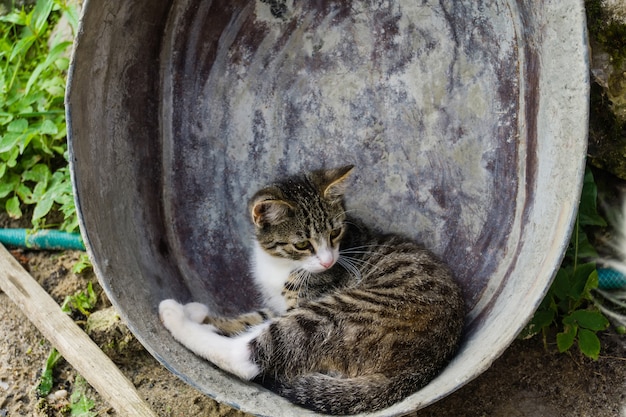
column 109, row 332
column 607, row 113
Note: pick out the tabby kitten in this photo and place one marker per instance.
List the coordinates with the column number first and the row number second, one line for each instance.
column 355, row 321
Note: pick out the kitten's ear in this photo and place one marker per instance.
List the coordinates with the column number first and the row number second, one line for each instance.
column 266, row 207
column 332, row 182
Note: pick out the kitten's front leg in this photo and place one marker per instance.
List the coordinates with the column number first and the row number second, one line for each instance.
column 228, row 326
column 196, row 312
column 232, row 354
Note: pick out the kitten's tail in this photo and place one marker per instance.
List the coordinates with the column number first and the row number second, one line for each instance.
column 341, row 396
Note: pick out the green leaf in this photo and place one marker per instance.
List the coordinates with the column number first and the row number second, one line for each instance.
column 83, row 302
column 38, row 173
column 53, row 55
column 15, row 17
column 584, row 247
column 32, row 114
column 592, row 283
column 588, row 212
column 71, row 12
column 83, row 264
column 565, row 339
column 48, row 128
column 22, row 46
column 25, row 194
column 25, row 138
column 29, row 161
column 581, row 276
column 588, row 319
column 80, row 404
column 46, row 382
column 70, row 224
column 82, row 407
column 5, row 117
column 53, row 89
column 17, row 126
column 541, row 320
column 43, row 207
column 62, row 64
column 561, row 284
column 39, row 191
column 40, row 14
column 589, row 343
column 8, row 184
column 12, row 159
column 569, row 321
column 13, row 207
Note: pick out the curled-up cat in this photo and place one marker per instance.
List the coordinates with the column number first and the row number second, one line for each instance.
column 356, row 320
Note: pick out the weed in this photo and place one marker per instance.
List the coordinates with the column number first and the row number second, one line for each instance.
column 33, row 149
column 80, row 404
column 82, row 301
column 568, row 306
column 46, row 380
column 83, row 264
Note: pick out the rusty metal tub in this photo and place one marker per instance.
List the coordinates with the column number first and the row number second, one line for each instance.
column 466, row 120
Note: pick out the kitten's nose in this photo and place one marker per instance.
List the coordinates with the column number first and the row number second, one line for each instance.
column 327, row 263
column 326, row 256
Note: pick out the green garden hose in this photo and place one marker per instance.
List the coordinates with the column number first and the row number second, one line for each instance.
column 41, row 239
column 610, row 279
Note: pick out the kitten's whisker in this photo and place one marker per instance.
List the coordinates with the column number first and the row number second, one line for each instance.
column 343, row 213
column 361, row 263
column 357, row 252
column 358, row 226
column 350, row 268
column 352, row 210
column 300, row 278
column 373, row 246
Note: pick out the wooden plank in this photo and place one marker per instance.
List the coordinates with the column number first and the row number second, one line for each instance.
column 69, row 339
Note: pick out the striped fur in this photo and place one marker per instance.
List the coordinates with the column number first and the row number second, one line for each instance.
column 366, row 318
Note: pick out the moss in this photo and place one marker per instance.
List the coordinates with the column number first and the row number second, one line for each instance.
column 607, row 112
column 608, row 32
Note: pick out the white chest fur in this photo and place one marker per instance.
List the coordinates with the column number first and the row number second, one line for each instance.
column 270, row 274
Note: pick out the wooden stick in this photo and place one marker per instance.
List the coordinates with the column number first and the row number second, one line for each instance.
column 69, row 339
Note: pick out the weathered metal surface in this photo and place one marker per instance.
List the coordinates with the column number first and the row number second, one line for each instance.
column 466, row 121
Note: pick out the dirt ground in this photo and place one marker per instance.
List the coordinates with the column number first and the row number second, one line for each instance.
column 526, row 381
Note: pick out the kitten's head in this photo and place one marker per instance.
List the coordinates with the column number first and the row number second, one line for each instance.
column 302, row 218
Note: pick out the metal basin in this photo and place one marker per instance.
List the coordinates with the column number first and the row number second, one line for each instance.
column 466, row 121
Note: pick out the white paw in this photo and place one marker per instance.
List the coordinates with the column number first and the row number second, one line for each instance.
column 196, row 312
column 172, row 314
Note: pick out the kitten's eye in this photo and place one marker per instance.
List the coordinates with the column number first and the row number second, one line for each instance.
column 303, row 245
column 335, row 234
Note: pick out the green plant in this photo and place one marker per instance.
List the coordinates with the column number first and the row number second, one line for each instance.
column 80, row 404
column 33, row 149
column 568, row 306
column 81, row 301
column 83, row 264
column 46, row 380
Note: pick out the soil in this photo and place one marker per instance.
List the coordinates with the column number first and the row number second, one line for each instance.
column 527, row 380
